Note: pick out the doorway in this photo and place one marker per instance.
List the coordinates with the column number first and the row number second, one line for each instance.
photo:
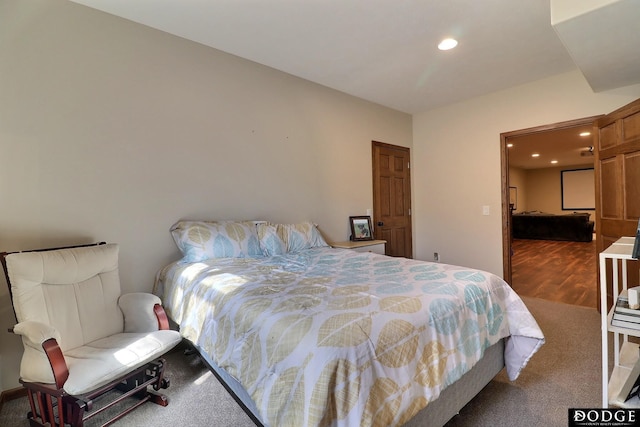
column 392, row 198
column 538, row 138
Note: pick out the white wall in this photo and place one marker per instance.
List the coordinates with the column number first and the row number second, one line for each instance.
column 110, row 130
column 456, row 158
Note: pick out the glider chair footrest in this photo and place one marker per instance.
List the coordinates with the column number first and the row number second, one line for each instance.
column 54, row 407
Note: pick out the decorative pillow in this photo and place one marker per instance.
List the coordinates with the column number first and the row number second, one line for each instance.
column 276, row 239
column 202, row 240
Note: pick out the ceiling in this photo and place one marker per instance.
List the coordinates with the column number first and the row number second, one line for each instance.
column 566, row 146
column 385, row 51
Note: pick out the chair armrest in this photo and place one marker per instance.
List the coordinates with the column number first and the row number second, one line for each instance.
column 140, row 312
column 57, row 362
column 161, row 315
column 42, row 360
column 35, row 333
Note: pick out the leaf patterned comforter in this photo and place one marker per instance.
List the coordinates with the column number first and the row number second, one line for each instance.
column 337, row 337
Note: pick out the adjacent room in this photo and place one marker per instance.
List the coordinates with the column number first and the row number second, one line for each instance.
column 552, row 209
column 243, row 160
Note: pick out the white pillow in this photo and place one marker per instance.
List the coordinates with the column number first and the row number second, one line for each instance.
column 202, row 240
column 277, row 239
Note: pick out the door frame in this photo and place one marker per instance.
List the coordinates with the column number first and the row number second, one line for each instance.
column 504, row 161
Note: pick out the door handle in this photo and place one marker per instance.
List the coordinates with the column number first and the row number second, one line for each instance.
column 380, row 223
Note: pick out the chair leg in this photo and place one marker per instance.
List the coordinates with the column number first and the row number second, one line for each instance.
column 43, row 410
column 158, row 398
column 51, row 407
column 75, row 410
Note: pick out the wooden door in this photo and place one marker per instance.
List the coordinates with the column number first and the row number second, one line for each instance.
column 617, row 170
column 392, row 198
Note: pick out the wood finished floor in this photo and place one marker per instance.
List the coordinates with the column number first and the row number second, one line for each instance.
column 555, row 271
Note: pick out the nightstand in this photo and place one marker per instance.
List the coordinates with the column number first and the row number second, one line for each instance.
column 375, row 246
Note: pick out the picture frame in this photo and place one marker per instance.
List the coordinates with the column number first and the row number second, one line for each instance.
column 361, row 228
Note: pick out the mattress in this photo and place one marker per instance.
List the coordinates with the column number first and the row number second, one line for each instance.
column 329, row 336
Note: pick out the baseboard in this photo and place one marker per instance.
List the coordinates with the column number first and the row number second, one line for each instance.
column 11, row 394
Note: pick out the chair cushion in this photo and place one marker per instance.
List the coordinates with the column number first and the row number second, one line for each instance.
column 99, row 362
column 74, row 290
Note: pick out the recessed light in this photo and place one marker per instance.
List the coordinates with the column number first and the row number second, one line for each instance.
column 535, row 155
column 509, row 145
column 447, row 44
column 585, row 133
column 554, row 161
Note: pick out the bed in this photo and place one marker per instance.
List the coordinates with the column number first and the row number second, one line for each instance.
column 305, row 334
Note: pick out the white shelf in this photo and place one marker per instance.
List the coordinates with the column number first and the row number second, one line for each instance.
column 621, row 249
column 625, row 353
column 620, row 374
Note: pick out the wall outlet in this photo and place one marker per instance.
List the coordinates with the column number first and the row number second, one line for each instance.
column 436, row 256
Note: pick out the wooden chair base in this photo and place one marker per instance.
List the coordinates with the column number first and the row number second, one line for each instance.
column 53, row 407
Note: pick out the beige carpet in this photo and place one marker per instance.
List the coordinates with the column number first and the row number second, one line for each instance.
column 564, row 374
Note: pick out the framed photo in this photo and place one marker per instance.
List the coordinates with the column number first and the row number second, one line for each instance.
column 361, row 228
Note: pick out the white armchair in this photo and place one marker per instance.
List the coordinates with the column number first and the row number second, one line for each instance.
column 81, row 337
